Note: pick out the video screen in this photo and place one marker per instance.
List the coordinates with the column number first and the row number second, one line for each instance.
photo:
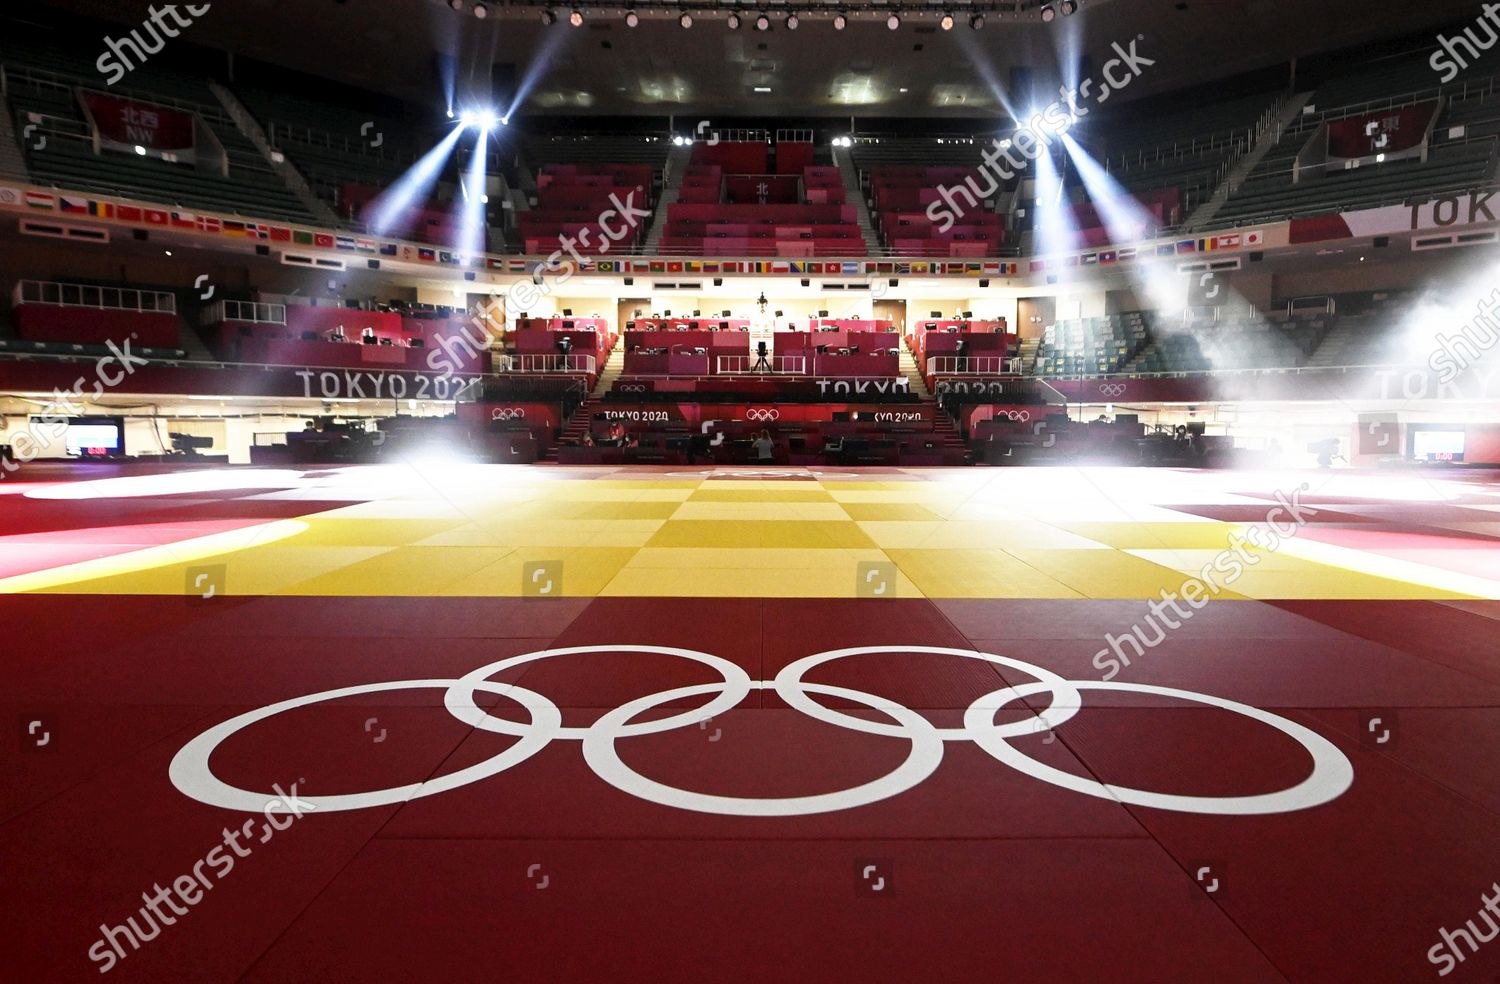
column 1438, row 445
column 96, row 437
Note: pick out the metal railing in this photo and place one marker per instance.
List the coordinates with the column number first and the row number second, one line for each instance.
column 558, row 363
column 973, row 365
column 90, row 296
column 263, row 314
column 750, row 365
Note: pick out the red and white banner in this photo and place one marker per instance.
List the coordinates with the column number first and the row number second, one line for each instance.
column 1390, row 132
column 125, row 124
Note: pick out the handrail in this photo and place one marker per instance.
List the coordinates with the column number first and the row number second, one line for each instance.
column 545, row 363
column 251, row 311
column 57, row 294
column 973, row 365
column 749, row 365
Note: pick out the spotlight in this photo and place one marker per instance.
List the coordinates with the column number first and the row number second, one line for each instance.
column 791, row 22
column 840, row 21
column 632, row 20
column 481, row 11
column 893, row 22
column 549, row 18
column 762, row 23
column 576, row 18
column 1048, row 15
column 977, row 21
column 734, row 22
column 484, row 119
column 456, row 4
column 686, row 20
column 946, row 23
column 1068, row 6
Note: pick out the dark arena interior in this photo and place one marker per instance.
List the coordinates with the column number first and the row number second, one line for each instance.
column 886, row 491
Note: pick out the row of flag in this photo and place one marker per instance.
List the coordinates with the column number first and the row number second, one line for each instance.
column 215, row 225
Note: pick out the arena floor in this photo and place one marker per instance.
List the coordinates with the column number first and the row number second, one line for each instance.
column 554, row 724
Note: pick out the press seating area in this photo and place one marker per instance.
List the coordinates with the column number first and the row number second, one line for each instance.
column 571, row 198
column 1455, row 164
column 53, row 317
column 989, row 348
column 40, row 80
column 339, row 337
column 901, row 194
column 762, row 230
column 1090, row 346
column 833, row 352
column 534, row 347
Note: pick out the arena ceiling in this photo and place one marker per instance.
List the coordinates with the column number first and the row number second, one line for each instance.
column 865, row 70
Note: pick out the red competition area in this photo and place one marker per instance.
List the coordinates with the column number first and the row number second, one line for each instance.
column 976, row 866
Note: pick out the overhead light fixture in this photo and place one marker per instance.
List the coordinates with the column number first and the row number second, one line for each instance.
column 456, row 4
column 762, row 23
column 549, row 18
column 840, row 21
column 734, row 22
column 893, row 22
column 791, row 21
column 481, row 11
column 977, row 21
column 686, row 20
column 576, row 18
column 632, row 19
column 947, row 22
column 1048, row 14
column 1068, row 6
column 762, row 88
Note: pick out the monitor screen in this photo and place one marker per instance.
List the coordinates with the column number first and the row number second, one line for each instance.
column 95, row 436
column 1438, row 445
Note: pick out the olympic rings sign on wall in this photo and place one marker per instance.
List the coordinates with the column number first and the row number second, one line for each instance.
column 758, row 415
column 631, row 388
column 508, row 413
column 1112, row 389
column 1017, row 416
column 1330, row 776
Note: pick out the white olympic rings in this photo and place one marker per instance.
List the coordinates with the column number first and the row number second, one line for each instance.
column 756, row 415
column 1112, row 389
column 1331, row 772
column 508, row 413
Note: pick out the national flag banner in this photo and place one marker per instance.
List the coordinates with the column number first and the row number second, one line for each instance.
column 184, row 220
column 1256, row 238
column 1205, row 245
column 390, row 249
column 77, row 206
column 711, row 266
column 781, row 267
column 972, row 268
column 516, row 266
column 232, row 228
column 1090, row 258
column 851, row 267
column 731, row 267
column 281, row 234
column 1108, row 256
column 302, row 238
column 638, row 266
column 692, row 266
column 1165, row 249
column 38, row 200
column 129, row 213
column 885, row 268
column 155, row 216
column 364, row 245
column 209, row 223
column 493, row 263
column 607, row 266
column 1231, row 241
column 1187, row 245
column 921, row 268
column 443, row 256
column 103, row 210
column 258, row 229
column 10, row 196
column 423, row 253
column 1038, row 265
column 674, row 267
column 1125, row 254
column 323, row 240
column 903, row 268
column 992, row 267
column 658, row 267
column 343, row 242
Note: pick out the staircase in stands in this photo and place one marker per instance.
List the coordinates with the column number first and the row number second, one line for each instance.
column 578, row 422
column 944, row 428
column 854, row 195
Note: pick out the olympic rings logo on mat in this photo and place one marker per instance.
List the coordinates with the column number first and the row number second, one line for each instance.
column 508, row 413
column 1330, row 776
column 1112, row 389
column 757, row 415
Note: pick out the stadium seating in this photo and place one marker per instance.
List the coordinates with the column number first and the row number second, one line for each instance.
column 571, row 198
column 1089, row 346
